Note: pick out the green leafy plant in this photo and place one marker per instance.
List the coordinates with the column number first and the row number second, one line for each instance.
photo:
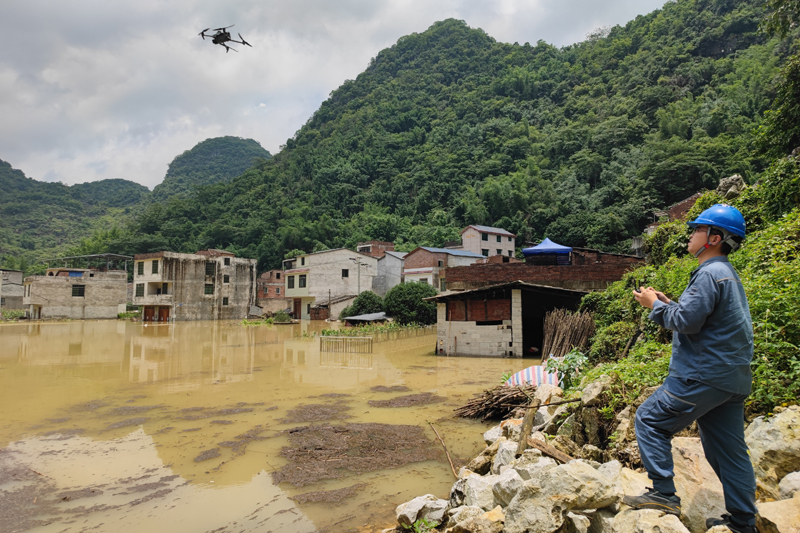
column 568, row 368
column 405, row 303
column 281, row 316
column 422, row 525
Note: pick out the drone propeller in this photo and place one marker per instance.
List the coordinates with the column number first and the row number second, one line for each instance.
column 244, row 42
column 225, row 28
column 203, row 33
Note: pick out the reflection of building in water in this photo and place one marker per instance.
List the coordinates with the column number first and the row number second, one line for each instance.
column 303, row 362
column 191, row 356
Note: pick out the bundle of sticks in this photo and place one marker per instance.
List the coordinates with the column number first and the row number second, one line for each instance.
column 564, row 331
column 496, row 403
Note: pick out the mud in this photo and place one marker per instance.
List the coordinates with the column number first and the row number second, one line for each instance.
column 206, row 455
column 89, row 406
column 128, row 410
column 239, row 446
column 316, row 412
column 330, row 496
column 330, row 452
column 223, row 422
column 409, row 400
column 137, row 421
column 395, row 388
column 70, row 495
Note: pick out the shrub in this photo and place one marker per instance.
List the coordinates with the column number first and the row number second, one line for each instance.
column 609, row 342
column 365, row 303
column 405, row 303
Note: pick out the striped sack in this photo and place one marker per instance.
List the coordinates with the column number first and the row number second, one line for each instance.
column 533, row 375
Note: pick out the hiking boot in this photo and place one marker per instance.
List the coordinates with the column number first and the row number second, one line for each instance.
column 727, row 521
column 652, row 499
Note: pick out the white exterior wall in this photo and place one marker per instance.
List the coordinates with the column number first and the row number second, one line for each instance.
column 390, row 272
column 465, row 338
column 472, row 241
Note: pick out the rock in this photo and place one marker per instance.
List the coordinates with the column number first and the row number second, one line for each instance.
column 539, row 435
column 512, row 428
column 630, row 454
column 594, row 390
column 569, row 427
column 697, row 484
column 506, row 452
column 483, row 462
column 783, row 515
column 551, row 425
column 478, row 491
column 647, row 521
column 488, row 522
column 602, row 521
column 581, row 485
column 789, row 485
column 591, row 453
column 492, row 435
column 464, row 472
column 463, row 513
column 428, row 507
column 575, row 523
column 530, row 512
column 563, row 444
column 590, row 419
column 546, row 393
column 529, row 467
column 731, row 187
column 774, row 450
column 625, row 429
column 646, row 393
column 507, row 485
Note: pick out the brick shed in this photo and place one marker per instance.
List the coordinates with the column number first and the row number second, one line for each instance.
column 503, row 320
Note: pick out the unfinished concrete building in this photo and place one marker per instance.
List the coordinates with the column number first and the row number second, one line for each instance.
column 208, row 285
column 76, row 293
column 271, row 295
column 11, row 289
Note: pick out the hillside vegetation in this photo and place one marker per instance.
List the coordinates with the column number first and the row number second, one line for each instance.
column 449, row 127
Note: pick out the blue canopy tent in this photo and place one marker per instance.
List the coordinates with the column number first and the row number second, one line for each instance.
column 548, row 248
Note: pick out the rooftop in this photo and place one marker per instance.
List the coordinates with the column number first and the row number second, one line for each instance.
column 451, row 251
column 489, row 229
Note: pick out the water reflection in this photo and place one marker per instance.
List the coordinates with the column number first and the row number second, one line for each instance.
column 210, row 401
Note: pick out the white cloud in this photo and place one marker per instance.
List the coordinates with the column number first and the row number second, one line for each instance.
column 94, row 90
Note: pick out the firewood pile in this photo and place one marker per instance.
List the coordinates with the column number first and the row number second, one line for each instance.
column 496, row 403
column 564, row 331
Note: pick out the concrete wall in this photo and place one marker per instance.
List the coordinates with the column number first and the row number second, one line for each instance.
column 11, row 289
column 466, row 338
column 472, row 241
column 390, row 274
column 51, row 296
column 270, row 306
column 186, row 277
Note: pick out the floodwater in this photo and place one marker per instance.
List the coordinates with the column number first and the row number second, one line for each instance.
column 121, row 426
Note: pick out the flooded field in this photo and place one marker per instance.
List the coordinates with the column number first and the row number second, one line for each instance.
column 203, row 426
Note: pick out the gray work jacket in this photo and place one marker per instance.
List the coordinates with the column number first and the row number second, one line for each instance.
column 712, row 340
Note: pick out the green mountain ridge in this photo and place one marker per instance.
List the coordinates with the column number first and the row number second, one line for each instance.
column 448, row 127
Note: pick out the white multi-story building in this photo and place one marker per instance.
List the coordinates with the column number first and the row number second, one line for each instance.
column 488, row 241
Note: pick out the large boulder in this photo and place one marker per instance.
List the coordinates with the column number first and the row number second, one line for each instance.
column 512, row 428
column 593, row 392
column 492, row 435
column 461, row 514
column 482, row 463
column 647, row 521
column 488, row 522
column 506, row 453
column 780, row 517
column 575, row 523
column 547, row 393
column 549, row 422
column 531, row 511
column 581, row 484
column 530, row 466
column 590, row 419
column 427, row 507
column 789, row 485
column 774, row 450
column 697, row 484
column 478, row 491
column 507, row 485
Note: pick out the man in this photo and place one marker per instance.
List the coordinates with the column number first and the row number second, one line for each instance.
column 709, row 374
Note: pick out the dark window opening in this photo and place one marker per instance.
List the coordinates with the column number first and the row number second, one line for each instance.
column 155, row 267
column 225, row 301
column 277, row 290
column 484, row 236
column 227, row 261
column 290, row 282
column 499, row 238
column 485, row 252
column 208, row 289
column 302, row 281
column 139, row 290
column 499, row 251
column 226, row 279
column 511, row 253
column 210, row 268
column 140, row 268
column 277, row 275
column 509, row 239
column 345, row 273
column 164, row 287
column 78, row 290
column 441, row 263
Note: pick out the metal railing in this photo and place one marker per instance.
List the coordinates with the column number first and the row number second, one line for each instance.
column 345, row 344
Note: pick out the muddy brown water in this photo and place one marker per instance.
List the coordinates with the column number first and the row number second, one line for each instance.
column 120, row 426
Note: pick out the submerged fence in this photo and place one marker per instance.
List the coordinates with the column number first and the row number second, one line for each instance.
column 345, row 344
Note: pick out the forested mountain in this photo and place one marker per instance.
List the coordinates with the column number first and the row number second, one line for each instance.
column 40, row 220
column 212, row 161
column 449, row 127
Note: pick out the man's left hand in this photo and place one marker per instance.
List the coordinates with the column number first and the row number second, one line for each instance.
column 646, row 296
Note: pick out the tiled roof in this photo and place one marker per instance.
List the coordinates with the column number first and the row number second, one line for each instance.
column 489, row 229
column 450, row 251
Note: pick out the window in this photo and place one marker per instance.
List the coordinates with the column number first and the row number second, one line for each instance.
column 164, row 287
column 210, row 268
column 485, row 252
column 208, row 289
column 441, row 264
column 499, row 238
column 225, row 301
column 302, row 281
column 155, row 267
column 499, row 251
column 302, row 261
column 140, row 268
column 511, row 253
column 290, row 282
column 442, row 285
column 226, row 279
column 345, row 273
column 277, row 275
column 424, row 281
column 308, row 309
column 227, row 261
column 484, row 236
column 78, row 290
column 139, row 290
column 277, row 290
column 509, row 239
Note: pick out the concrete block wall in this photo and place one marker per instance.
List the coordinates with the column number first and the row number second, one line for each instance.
column 466, row 338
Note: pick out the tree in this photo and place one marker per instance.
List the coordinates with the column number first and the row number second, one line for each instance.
column 405, row 303
column 365, row 303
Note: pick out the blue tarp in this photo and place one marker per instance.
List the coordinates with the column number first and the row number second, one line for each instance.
column 546, row 247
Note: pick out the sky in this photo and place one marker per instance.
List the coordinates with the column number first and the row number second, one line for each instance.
column 93, row 89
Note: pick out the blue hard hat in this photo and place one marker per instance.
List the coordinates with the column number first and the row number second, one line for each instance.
column 722, row 216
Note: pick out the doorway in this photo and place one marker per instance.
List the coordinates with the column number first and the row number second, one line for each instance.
column 149, row 313
column 163, row 314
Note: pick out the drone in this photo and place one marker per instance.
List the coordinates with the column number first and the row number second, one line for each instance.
column 223, row 36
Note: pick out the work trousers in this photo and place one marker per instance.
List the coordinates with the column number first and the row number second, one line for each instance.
column 720, row 417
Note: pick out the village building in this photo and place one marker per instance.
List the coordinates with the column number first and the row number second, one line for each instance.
column 503, row 320
column 328, row 280
column 76, row 293
column 270, row 295
column 11, row 289
column 390, row 272
column 582, row 269
column 376, row 249
column 426, row 265
column 209, row 285
column 488, row 241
